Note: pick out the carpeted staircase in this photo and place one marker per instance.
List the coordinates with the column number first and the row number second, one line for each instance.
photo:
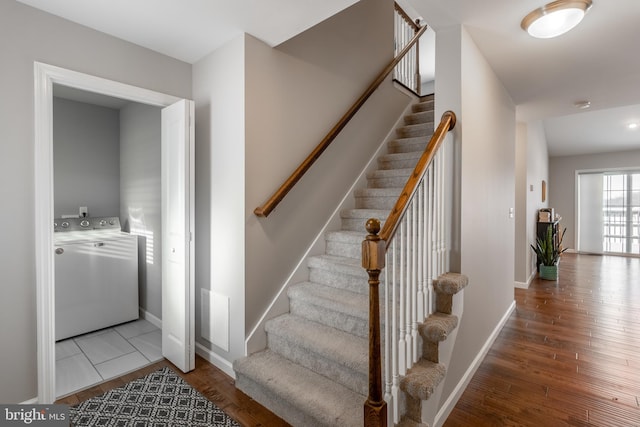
column 314, row 371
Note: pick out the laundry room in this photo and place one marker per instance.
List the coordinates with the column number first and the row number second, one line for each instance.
column 107, row 236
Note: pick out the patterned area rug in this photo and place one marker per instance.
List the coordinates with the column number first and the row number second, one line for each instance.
column 160, row 399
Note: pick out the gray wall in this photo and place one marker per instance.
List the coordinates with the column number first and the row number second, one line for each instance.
column 485, row 135
column 294, row 95
column 562, row 182
column 532, row 168
column 28, row 35
column 259, row 113
column 140, row 196
column 86, row 158
column 218, row 90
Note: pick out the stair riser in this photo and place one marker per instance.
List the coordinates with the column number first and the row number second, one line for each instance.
column 422, row 106
column 356, row 224
column 410, row 145
column 376, row 202
column 339, row 280
column 278, row 406
column 386, row 163
column 354, row 250
column 419, row 118
column 335, row 370
column 358, row 326
column 414, row 131
column 391, row 182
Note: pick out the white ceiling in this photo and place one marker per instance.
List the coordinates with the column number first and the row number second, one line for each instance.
column 597, row 61
column 190, row 29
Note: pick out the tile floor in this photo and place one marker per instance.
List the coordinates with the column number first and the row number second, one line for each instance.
column 89, row 359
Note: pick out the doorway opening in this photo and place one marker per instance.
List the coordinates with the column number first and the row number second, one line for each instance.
column 176, row 210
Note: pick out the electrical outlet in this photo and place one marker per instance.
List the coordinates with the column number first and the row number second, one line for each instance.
column 83, row 211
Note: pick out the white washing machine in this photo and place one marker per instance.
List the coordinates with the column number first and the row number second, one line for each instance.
column 96, row 275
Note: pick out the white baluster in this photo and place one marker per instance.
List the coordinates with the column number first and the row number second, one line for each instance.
column 387, row 334
column 414, row 282
column 394, row 338
column 430, row 240
column 408, row 297
column 420, row 266
column 402, row 344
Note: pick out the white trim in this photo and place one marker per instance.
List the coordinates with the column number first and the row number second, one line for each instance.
column 33, row 401
column 155, row 321
column 45, row 76
column 453, row 398
column 220, row 363
column 521, row 285
column 525, row 285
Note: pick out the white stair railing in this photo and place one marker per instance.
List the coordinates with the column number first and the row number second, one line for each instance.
column 407, row 71
column 412, row 246
column 415, row 256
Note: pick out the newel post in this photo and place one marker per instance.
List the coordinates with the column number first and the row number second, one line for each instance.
column 373, row 250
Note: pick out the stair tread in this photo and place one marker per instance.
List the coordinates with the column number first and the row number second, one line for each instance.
column 450, row 283
column 325, row 402
column 416, row 125
column 378, row 192
column 336, row 299
column 417, row 140
column 438, row 326
column 419, row 117
column 365, row 213
column 338, row 346
column 422, row 379
column 401, row 156
column 387, row 173
column 346, row 236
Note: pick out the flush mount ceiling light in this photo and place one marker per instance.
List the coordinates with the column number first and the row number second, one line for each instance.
column 582, row 105
column 555, row 18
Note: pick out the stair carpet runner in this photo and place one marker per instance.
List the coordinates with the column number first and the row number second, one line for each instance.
column 315, row 369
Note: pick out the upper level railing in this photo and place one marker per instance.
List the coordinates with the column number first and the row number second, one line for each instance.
column 412, row 246
column 407, row 72
column 281, row 192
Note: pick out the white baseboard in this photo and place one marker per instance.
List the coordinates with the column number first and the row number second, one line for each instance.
column 150, row 318
column 523, row 285
column 33, row 401
column 220, row 363
column 453, row 398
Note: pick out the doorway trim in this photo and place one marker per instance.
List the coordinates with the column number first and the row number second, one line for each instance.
column 45, row 76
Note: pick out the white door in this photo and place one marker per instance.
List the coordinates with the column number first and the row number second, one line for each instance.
column 178, row 289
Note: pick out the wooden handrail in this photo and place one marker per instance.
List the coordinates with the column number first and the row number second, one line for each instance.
column 277, row 197
column 447, row 123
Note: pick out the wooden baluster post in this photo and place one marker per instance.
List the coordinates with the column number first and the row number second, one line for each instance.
column 373, row 251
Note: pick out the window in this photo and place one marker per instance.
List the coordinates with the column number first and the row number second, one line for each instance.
column 609, row 212
column 621, row 212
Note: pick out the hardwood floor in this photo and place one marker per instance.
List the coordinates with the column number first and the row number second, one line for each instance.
column 569, row 355
column 210, row 381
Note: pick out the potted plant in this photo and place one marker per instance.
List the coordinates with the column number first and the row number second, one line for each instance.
column 548, row 251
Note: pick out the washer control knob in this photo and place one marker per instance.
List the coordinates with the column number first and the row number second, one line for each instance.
column 65, row 224
column 103, row 222
column 84, row 223
column 112, row 221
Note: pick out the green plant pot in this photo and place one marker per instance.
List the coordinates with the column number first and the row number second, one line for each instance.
column 548, row 272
